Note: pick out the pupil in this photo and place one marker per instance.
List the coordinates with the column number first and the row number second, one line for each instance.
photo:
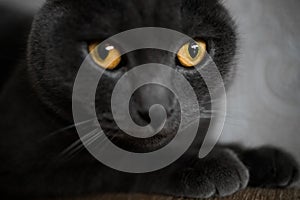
column 102, row 52
column 193, row 49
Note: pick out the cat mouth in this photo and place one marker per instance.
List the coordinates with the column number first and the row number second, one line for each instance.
column 138, row 142
column 138, row 145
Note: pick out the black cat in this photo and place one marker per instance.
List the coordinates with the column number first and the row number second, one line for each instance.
column 36, row 104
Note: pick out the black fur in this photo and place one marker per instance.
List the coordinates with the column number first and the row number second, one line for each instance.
column 36, row 101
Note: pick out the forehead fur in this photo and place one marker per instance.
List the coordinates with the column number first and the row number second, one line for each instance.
column 115, row 16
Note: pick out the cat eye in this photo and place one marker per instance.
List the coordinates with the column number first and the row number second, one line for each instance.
column 106, row 56
column 192, row 53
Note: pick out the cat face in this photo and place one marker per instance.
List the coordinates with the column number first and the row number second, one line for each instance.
column 64, row 30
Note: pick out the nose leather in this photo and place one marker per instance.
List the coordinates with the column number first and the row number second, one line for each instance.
column 150, row 95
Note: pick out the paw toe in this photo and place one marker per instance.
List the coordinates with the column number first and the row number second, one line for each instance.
column 195, row 185
column 270, row 167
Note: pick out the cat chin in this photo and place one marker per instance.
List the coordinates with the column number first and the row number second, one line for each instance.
column 134, row 144
column 139, row 145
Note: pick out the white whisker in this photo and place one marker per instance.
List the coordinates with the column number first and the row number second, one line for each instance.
column 66, row 128
column 78, row 143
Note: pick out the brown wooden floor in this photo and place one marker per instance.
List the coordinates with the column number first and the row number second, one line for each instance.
column 248, row 194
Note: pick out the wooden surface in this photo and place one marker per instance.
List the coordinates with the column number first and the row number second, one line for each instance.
column 249, row 194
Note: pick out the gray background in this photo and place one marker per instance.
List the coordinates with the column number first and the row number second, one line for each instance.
column 264, row 102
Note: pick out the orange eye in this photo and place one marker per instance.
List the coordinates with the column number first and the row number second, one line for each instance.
column 192, row 53
column 106, row 56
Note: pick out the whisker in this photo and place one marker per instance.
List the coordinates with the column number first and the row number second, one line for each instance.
column 208, row 114
column 66, row 128
column 211, row 101
column 106, row 143
column 212, row 111
column 85, row 143
column 79, row 142
column 205, row 116
column 92, row 140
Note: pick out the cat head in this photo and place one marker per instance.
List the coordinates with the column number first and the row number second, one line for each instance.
column 64, row 31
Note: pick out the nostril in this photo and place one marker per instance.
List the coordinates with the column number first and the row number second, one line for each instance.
column 170, row 112
column 145, row 97
column 144, row 115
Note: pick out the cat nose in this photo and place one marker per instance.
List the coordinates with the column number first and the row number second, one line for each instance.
column 152, row 94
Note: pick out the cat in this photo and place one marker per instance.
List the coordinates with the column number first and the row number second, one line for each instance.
column 36, row 106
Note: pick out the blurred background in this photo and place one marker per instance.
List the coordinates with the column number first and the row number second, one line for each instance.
column 264, row 102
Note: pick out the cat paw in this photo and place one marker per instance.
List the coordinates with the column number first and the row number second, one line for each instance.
column 220, row 174
column 270, row 167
